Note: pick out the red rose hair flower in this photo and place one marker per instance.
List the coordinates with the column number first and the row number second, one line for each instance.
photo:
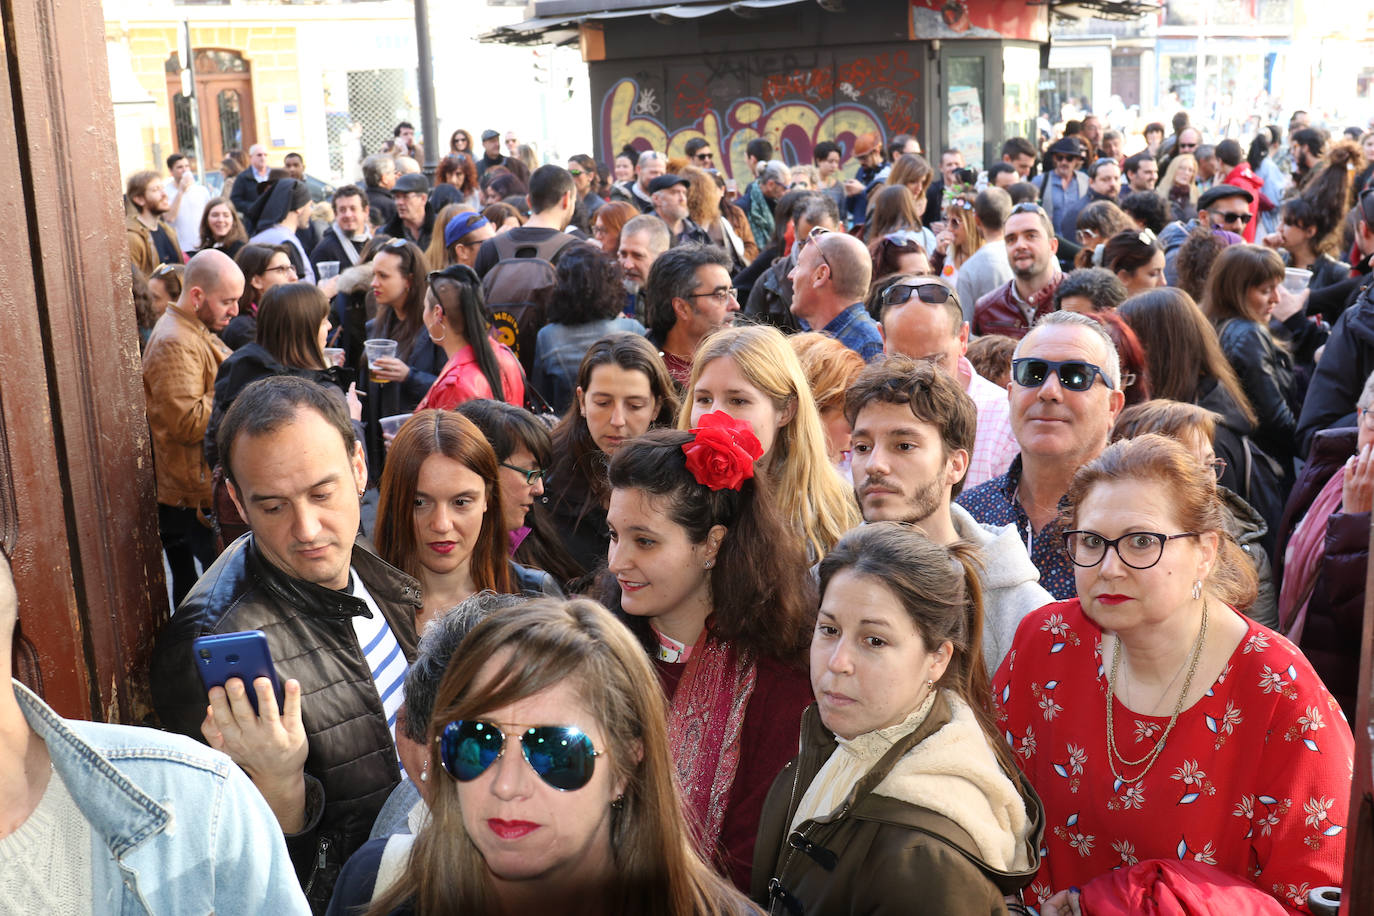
column 722, row 452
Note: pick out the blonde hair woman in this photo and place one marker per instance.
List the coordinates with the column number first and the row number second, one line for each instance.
column 752, row 374
column 1177, row 189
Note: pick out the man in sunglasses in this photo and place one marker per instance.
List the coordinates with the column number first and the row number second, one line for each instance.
column 828, row 288
column 1062, row 187
column 1031, row 245
column 1223, row 208
column 922, row 319
column 1065, row 394
column 913, row 434
column 339, row 622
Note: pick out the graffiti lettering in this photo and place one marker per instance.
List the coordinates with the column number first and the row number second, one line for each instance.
column 793, row 127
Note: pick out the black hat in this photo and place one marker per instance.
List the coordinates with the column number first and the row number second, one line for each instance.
column 411, row 183
column 663, row 182
column 1068, row 146
column 1221, row 192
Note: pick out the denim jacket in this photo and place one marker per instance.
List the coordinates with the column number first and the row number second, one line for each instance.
column 175, row 826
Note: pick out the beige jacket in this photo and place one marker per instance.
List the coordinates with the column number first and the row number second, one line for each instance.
column 179, row 367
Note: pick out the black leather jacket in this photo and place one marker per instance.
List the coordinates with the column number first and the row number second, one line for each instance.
column 351, row 767
column 1266, row 374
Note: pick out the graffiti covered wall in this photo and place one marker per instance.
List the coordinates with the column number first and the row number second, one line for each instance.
column 795, row 99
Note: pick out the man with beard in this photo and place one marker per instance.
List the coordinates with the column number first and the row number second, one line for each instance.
column 642, row 240
column 669, row 194
column 914, row 431
column 151, row 240
column 1065, row 393
column 1013, row 307
column 688, row 295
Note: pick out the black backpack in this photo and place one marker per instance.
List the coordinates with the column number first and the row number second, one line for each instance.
column 518, row 288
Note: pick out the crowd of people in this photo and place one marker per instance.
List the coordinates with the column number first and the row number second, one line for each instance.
column 926, row 539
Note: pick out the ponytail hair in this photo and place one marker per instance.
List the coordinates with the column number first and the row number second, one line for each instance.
column 761, row 596
column 940, row 590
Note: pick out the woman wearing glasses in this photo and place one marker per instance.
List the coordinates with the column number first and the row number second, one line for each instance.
column 1244, row 292
column 714, row 583
column 904, row 797
column 551, row 782
column 752, row 374
column 1324, row 546
column 440, row 518
column 455, row 319
column 1174, row 742
column 263, row 266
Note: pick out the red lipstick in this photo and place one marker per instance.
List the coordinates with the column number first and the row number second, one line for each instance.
column 511, row 830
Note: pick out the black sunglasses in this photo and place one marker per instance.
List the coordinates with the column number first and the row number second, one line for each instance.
column 931, row 291
column 1073, row 374
column 530, row 474
column 562, row 755
column 458, row 273
column 1232, row 217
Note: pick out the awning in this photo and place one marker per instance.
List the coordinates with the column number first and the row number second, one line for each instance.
column 559, row 27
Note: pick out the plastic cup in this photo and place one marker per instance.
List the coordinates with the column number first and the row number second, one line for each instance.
column 1295, row 279
column 378, row 348
column 328, row 269
column 390, row 425
column 334, row 356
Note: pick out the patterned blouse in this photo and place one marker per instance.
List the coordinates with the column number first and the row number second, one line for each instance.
column 1255, row 778
column 995, row 503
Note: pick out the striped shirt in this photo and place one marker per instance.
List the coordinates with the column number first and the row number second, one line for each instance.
column 384, row 657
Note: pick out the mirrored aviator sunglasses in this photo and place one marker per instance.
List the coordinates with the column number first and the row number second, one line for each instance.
column 561, row 755
column 932, row 292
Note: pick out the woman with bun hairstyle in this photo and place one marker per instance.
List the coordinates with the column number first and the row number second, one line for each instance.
column 904, row 797
column 715, row 585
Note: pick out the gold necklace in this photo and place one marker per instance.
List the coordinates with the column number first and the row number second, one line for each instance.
column 1114, row 756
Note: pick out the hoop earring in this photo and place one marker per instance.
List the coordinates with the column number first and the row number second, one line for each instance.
column 1197, row 589
column 439, row 339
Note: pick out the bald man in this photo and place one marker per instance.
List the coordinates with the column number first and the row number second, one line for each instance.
column 829, row 284
column 179, row 366
column 248, row 183
column 114, row 819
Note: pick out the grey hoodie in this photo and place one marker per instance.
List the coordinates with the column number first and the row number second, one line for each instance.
column 1011, row 583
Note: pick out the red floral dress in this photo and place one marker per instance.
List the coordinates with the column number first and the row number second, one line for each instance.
column 1255, row 778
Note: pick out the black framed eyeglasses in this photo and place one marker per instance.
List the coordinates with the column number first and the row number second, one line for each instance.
column 929, row 290
column 561, row 755
column 1073, row 374
column 1137, row 549
column 531, row 475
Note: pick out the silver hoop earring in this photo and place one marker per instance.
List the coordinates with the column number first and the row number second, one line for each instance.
column 439, row 339
column 1197, row 589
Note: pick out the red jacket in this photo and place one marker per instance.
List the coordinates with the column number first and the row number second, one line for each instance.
column 999, row 313
column 1243, row 177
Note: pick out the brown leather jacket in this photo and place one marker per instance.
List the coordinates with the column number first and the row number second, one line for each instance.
column 142, row 251
column 179, row 367
column 352, row 766
column 999, row 312
column 877, row 855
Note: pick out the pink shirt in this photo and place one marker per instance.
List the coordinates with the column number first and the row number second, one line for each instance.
column 995, row 446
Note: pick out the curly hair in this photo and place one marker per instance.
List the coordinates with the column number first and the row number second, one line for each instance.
column 588, row 287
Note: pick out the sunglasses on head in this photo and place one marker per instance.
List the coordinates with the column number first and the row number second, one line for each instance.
column 561, row 755
column 395, row 244
column 930, row 291
column 1074, row 374
column 1028, row 206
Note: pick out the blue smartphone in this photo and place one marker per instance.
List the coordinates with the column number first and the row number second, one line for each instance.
column 242, row 655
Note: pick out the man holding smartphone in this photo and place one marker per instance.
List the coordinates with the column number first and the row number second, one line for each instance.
column 112, row 819
column 339, row 623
